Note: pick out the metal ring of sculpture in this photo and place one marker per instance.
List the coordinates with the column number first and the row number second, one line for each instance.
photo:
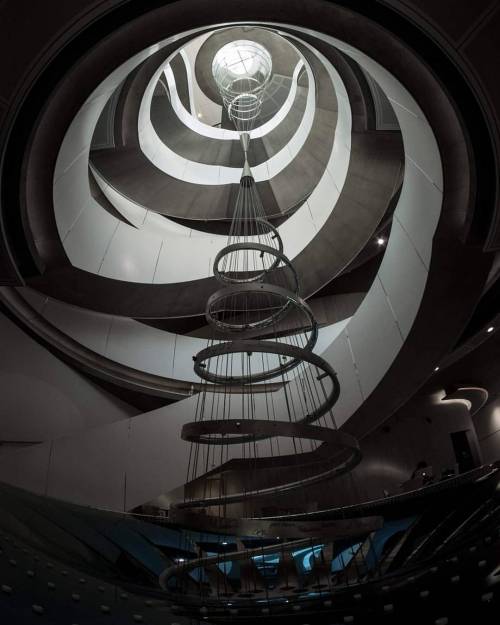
column 297, row 355
column 244, row 107
column 203, row 432
column 262, row 288
column 278, row 255
column 334, row 441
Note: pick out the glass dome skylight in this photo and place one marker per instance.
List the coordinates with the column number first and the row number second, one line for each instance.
column 242, row 70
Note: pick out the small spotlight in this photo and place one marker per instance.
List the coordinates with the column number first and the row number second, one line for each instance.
column 490, row 329
column 436, row 368
column 381, row 241
column 200, row 115
column 224, row 543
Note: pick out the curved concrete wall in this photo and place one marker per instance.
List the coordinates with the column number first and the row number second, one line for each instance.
column 209, row 111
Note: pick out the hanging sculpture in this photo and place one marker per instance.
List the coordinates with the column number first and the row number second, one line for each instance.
column 265, row 411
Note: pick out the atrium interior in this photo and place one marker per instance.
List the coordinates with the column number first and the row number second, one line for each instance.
column 250, row 312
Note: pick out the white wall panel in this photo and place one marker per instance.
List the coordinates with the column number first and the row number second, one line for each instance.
column 404, row 281
column 302, row 227
column 338, row 165
column 338, row 354
column 85, row 326
column 375, row 338
column 181, row 259
column 88, row 240
column 299, row 137
column 141, row 347
column 209, row 110
column 76, row 141
column 419, row 209
column 129, row 257
column 420, row 144
column 143, row 219
column 71, row 195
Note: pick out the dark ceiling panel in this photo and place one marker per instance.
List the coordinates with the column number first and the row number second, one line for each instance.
column 481, row 47
column 454, row 19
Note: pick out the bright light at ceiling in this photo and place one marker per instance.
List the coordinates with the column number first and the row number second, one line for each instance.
column 241, row 58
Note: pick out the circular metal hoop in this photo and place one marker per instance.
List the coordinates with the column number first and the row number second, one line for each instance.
column 278, row 255
column 296, row 354
column 334, row 441
column 262, row 288
column 245, row 429
column 244, row 107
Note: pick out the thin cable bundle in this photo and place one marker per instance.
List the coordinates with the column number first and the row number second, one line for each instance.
column 264, row 416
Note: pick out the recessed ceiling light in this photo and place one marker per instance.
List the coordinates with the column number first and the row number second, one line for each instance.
column 380, row 241
column 490, row 329
column 436, row 368
column 200, row 115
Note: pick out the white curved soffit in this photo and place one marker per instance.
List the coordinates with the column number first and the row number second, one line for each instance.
column 199, row 103
column 158, row 250
column 171, row 163
column 145, row 464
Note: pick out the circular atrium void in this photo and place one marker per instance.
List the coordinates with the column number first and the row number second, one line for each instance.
column 138, row 202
